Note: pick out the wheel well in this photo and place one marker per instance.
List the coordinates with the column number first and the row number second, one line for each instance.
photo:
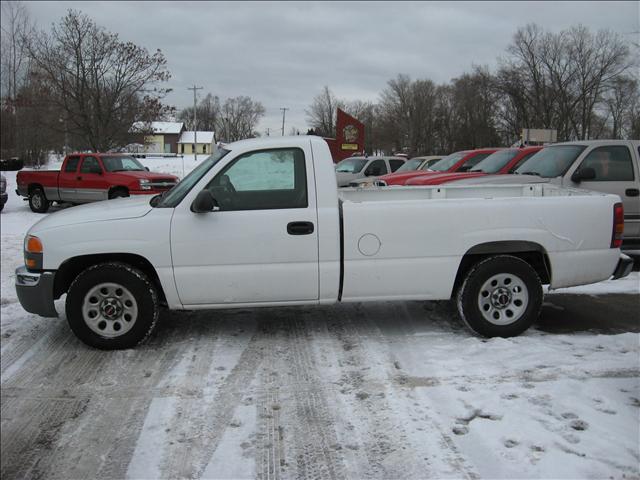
column 33, row 186
column 118, row 187
column 72, row 267
column 532, row 253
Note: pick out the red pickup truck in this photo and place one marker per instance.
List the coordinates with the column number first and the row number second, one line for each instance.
column 499, row 163
column 456, row 162
column 90, row 177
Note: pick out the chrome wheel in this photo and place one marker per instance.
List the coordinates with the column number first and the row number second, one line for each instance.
column 503, row 299
column 36, row 199
column 109, row 309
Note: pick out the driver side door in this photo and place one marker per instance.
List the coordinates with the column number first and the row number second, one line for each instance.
column 261, row 246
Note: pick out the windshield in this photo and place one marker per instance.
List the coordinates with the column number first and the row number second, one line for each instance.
column 410, row 165
column 121, row 164
column 351, row 165
column 495, row 162
column 173, row 197
column 447, row 162
column 552, row 161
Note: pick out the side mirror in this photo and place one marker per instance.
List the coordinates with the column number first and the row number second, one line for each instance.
column 372, row 171
column 464, row 168
column 204, row 203
column 146, row 168
column 586, row 173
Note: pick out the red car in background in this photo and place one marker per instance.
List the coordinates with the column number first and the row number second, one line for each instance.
column 456, row 162
column 500, row 162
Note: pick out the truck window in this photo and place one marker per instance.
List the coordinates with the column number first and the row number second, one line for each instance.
column 611, row 163
column 90, row 165
column 267, row 179
column 475, row 160
column 551, row 162
column 395, row 164
column 72, row 165
column 376, row 168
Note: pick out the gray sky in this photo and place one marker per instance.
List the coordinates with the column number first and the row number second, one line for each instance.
column 283, row 53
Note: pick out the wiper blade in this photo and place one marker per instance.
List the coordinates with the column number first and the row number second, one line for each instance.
column 531, row 173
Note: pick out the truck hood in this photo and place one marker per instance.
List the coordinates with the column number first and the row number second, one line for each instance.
column 344, row 178
column 119, row 208
column 504, row 180
column 442, row 178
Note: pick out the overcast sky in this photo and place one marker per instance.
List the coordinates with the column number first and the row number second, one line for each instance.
column 283, row 53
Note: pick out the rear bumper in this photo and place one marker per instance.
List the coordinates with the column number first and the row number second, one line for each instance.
column 624, row 267
column 35, row 292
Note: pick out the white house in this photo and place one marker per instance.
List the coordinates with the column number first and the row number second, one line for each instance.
column 187, row 142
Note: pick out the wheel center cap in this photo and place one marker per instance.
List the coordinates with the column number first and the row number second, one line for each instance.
column 501, row 297
column 111, row 308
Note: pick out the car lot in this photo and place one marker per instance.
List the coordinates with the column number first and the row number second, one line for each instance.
column 383, row 390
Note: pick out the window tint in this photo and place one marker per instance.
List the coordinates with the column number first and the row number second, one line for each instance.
column 611, row 163
column 522, row 160
column 495, row 162
column 262, row 180
column 72, row 164
column 550, row 162
column 475, row 160
column 377, row 167
column 395, row 164
column 90, row 165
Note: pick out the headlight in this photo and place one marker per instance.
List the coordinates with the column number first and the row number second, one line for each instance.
column 144, row 184
column 33, row 250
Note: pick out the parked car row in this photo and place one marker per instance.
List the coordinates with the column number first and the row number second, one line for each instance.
column 610, row 166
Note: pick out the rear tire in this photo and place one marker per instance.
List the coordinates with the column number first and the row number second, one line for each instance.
column 38, row 200
column 112, row 306
column 501, row 296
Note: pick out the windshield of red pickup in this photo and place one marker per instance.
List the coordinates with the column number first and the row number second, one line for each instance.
column 495, row 162
column 447, row 162
column 551, row 162
column 120, row 163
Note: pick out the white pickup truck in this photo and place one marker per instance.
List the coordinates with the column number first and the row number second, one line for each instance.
column 261, row 223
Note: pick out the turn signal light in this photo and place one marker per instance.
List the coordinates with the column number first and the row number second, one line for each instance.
column 34, row 245
column 618, row 226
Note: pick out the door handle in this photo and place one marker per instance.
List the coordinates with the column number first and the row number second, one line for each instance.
column 300, row 228
column 78, row 178
column 632, row 192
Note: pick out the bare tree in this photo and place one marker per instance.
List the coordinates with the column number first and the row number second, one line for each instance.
column 322, row 113
column 208, row 114
column 16, row 30
column 239, row 118
column 100, row 84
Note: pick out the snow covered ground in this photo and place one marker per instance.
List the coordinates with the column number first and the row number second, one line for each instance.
column 384, row 390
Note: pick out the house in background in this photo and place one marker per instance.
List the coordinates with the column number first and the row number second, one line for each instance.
column 186, row 143
column 158, row 137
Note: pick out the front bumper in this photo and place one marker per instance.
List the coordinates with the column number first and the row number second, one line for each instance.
column 35, row 292
column 624, row 267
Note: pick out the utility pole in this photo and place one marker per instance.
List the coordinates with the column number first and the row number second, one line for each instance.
column 268, row 131
column 284, row 111
column 195, row 126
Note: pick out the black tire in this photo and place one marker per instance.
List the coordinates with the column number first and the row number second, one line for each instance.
column 118, row 193
column 38, row 201
column 510, row 306
column 136, row 286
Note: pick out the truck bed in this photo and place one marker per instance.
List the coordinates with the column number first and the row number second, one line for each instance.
column 418, row 235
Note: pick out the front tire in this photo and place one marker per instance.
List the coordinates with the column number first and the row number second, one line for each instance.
column 38, row 201
column 112, row 306
column 501, row 296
